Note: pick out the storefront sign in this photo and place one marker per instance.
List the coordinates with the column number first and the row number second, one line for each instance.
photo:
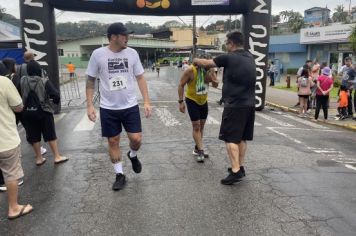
column 328, row 34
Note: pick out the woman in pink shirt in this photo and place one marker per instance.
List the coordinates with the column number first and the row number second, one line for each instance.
column 305, row 82
column 324, row 86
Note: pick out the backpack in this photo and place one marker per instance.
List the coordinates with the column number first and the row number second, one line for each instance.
column 32, row 103
column 304, row 82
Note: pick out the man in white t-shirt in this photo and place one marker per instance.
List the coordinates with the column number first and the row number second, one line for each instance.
column 118, row 68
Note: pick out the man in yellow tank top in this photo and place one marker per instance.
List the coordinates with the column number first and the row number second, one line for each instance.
column 196, row 98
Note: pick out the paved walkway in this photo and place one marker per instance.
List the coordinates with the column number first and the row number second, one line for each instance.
column 286, row 100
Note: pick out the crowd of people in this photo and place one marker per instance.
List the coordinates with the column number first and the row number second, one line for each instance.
column 315, row 82
column 26, row 97
column 27, row 92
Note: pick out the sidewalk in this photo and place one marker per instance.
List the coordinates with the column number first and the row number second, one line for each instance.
column 286, row 100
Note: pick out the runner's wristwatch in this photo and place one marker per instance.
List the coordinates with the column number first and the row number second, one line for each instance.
column 180, row 101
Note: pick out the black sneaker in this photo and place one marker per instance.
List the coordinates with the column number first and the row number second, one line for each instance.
column 241, row 168
column 136, row 164
column 232, row 178
column 119, row 182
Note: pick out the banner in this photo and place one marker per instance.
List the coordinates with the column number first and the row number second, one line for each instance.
column 37, row 17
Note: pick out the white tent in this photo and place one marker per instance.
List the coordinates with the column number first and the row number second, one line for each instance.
column 9, row 32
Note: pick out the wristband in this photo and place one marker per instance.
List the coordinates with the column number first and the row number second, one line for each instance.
column 180, row 101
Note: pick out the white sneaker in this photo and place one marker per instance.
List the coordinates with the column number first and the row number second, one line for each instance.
column 200, row 158
column 3, row 188
column 43, row 150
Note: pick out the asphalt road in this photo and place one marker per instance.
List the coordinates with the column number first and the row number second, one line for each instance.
column 301, row 178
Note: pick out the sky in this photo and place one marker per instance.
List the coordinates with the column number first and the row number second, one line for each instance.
column 12, row 7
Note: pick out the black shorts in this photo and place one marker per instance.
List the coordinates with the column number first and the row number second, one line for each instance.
column 113, row 120
column 196, row 112
column 304, row 96
column 39, row 125
column 237, row 124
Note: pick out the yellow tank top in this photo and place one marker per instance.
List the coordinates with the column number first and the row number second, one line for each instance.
column 191, row 91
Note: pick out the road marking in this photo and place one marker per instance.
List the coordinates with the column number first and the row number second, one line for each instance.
column 350, row 167
column 85, row 124
column 306, row 129
column 257, row 124
column 285, row 135
column 277, row 112
column 59, row 117
column 166, row 117
column 305, row 122
column 343, row 160
column 212, row 121
column 269, row 118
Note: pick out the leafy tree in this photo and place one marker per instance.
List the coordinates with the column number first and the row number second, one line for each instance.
column 352, row 38
column 275, row 19
column 294, row 20
column 2, row 11
column 339, row 15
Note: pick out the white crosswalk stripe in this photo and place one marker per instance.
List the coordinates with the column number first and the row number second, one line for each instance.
column 274, row 120
column 212, row 121
column 85, row 124
column 166, row 117
column 305, row 122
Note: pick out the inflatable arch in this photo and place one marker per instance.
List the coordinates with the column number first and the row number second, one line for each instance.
column 39, row 34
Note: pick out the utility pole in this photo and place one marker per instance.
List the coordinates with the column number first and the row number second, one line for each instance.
column 230, row 23
column 194, row 37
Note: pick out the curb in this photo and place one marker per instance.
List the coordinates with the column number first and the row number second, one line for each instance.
column 284, row 108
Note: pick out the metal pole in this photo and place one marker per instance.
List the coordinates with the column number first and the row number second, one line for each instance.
column 194, row 37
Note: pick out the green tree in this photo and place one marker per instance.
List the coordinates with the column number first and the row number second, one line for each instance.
column 275, row 19
column 294, row 20
column 339, row 15
column 2, row 11
column 352, row 38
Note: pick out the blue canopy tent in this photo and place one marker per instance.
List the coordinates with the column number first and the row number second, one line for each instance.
column 15, row 53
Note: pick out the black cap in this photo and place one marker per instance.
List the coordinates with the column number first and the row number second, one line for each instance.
column 117, row 28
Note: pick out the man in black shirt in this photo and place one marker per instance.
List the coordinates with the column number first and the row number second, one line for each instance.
column 238, row 93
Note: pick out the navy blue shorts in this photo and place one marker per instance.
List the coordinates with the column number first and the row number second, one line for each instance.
column 113, row 120
column 196, row 112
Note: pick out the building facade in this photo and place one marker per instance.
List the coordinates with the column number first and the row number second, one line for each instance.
column 78, row 51
column 316, row 17
column 328, row 44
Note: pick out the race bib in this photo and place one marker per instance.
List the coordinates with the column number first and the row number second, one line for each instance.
column 118, row 83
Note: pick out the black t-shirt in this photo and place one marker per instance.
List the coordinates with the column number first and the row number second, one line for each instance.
column 239, row 79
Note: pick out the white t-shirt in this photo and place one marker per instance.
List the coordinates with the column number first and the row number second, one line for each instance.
column 117, row 72
column 9, row 97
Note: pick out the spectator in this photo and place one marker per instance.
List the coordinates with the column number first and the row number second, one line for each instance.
column 307, row 65
column 272, row 70
column 347, row 83
column 343, row 102
column 324, row 86
column 71, row 70
column 305, row 82
column 40, row 123
column 10, row 150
